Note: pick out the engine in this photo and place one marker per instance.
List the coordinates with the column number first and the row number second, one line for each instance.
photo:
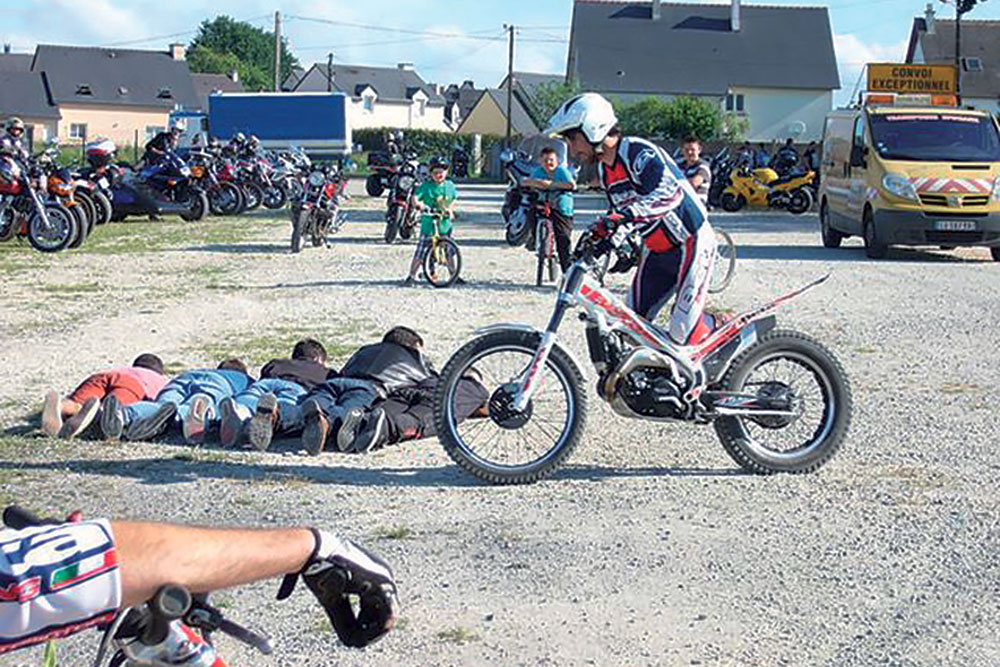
column 652, row 392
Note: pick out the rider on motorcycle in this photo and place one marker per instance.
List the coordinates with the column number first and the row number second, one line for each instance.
column 163, row 143
column 51, row 586
column 648, row 194
column 12, row 142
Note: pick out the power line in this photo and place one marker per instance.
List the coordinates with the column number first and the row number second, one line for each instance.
column 407, row 31
column 175, row 34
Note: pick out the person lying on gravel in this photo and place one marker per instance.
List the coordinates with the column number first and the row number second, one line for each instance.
column 125, row 563
column 408, row 412
column 190, row 401
column 141, row 381
column 337, row 407
column 271, row 404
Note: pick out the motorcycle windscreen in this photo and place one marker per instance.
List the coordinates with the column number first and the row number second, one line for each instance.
column 533, row 145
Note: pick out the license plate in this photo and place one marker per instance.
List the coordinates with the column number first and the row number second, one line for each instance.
column 955, row 225
column 103, row 182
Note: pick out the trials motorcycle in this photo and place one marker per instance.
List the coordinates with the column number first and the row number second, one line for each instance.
column 779, row 400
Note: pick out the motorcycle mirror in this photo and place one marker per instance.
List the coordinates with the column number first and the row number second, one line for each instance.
column 53, row 141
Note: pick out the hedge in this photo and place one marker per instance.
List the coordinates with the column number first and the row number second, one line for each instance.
column 426, row 143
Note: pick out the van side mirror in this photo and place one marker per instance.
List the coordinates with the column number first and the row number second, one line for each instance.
column 858, row 154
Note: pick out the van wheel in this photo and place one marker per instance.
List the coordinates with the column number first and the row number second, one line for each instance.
column 995, row 253
column 831, row 237
column 874, row 248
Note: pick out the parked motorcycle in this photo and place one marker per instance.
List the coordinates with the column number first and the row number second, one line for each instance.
column 317, row 215
column 224, row 198
column 517, row 166
column 26, row 211
column 400, row 216
column 779, row 400
column 460, row 162
column 764, row 188
column 165, row 188
column 383, row 168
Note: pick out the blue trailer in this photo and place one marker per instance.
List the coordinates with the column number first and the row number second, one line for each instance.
column 316, row 122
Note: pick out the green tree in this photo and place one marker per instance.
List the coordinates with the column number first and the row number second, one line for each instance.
column 648, row 117
column 224, row 44
column 547, row 98
column 693, row 116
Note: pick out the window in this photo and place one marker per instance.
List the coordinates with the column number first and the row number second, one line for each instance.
column 734, row 103
column 153, row 130
column 972, row 64
column 369, row 103
column 78, row 130
column 859, row 132
column 421, row 107
column 164, row 94
column 84, row 89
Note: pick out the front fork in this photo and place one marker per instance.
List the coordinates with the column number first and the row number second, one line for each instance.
column 531, row 379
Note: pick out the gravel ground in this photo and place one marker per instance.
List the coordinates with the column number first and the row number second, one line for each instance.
column 649, row 548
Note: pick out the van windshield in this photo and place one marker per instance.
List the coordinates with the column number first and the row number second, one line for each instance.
column 935, row 137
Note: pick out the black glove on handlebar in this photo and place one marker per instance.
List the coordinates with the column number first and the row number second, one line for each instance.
column 340, row 569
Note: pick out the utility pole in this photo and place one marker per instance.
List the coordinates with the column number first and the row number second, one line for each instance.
column 277, row 51
column 961, row 7
column 329, row 72
column 510, row 76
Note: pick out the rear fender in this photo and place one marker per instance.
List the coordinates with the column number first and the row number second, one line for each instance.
column 717, row 363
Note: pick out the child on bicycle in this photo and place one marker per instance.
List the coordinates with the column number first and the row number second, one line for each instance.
column 557, row 184
column 435, row 196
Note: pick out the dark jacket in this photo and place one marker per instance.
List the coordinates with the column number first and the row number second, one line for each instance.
column 389, row 366
column 305, row 372
column 162, row 142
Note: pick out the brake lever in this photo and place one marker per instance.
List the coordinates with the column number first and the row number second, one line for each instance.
column 208, row 619
column 260, row 642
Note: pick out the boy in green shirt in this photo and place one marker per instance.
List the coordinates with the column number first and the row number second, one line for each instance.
column 437, row 195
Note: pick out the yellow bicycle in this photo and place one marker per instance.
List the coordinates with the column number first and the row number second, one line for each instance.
column 443, row 262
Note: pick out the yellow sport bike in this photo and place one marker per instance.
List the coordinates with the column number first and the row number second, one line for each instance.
column 765, row 189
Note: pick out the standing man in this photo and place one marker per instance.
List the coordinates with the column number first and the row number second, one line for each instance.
column 650, row 194
column 697, row 171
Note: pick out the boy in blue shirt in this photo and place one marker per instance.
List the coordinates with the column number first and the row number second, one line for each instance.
column 556, row 184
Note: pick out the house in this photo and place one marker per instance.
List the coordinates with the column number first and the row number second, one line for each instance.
column 489, row 115
column 23, row 94
column 459, row 100
column 208, row 84
column 125, row 95
column 773, row 64
column 380, row 96
column 526, row 84
column 932, row 42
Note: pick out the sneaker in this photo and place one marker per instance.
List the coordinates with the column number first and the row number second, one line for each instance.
column 375, row 433
column 193, row 426
column 230, row 423
column 349, row 429
column 408, row 281
column 112, row 418
column 261, row 427
column 316, row 427
column 149, row 427
column 78, row 423
column 51, row 415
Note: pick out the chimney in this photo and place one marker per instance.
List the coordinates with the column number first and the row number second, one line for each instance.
column 656, row 10
column 176, row 51
column 468, row 84
column 406, row 67
column 734, row 16
column 234, row 76
column 929, row 19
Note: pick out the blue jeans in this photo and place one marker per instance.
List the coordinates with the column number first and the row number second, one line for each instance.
column 179, row 391
column 288, row 393
column 339, row 395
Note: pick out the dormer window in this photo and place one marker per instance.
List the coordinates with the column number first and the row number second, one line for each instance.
column 84, row 89
column 164, row 94
column 122, row 90
column 972, row 64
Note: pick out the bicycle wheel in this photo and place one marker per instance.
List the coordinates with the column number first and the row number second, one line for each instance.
column 725, row 263
column 544, row 241
column 443, row 262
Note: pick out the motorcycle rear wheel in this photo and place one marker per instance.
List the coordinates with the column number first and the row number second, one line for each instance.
column 373, row 185
column 799, row 201
column 511, row 447
column 806, row 360
column 104, row 206
column 57, row 234
column 82, row 226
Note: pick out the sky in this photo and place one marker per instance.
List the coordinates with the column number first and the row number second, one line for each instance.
column 448, row 41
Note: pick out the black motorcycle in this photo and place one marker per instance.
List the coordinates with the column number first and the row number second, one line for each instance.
column 317, row 214
column 460, row 162
column 517, row 166
column 400, row 216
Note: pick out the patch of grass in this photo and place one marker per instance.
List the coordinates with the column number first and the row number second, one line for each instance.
column 960, row 388
column 174, row 367
column 323, row 626
column 866, row 349
column 457, row 635
column 396, row 532
column 340, row 340
column 128, row 238
column 70, row 289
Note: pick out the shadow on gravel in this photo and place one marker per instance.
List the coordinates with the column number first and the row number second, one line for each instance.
column 480, row 286
column 850, row 254
column 597, row 473
column 240, row 248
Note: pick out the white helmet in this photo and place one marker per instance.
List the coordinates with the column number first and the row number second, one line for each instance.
column 590, row 113
column 179, row 125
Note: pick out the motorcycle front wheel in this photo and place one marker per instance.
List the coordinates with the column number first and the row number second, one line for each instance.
column 791, row 368
column 393, row 218
column 275, row 197
column 508, row 446
column 197, row 206
column 105, row 209
column 54, row 235
column 732, row 202
column 82, row 226
column 224, row 199
column 253, row 195
column 800, row 201
column 373, row 185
